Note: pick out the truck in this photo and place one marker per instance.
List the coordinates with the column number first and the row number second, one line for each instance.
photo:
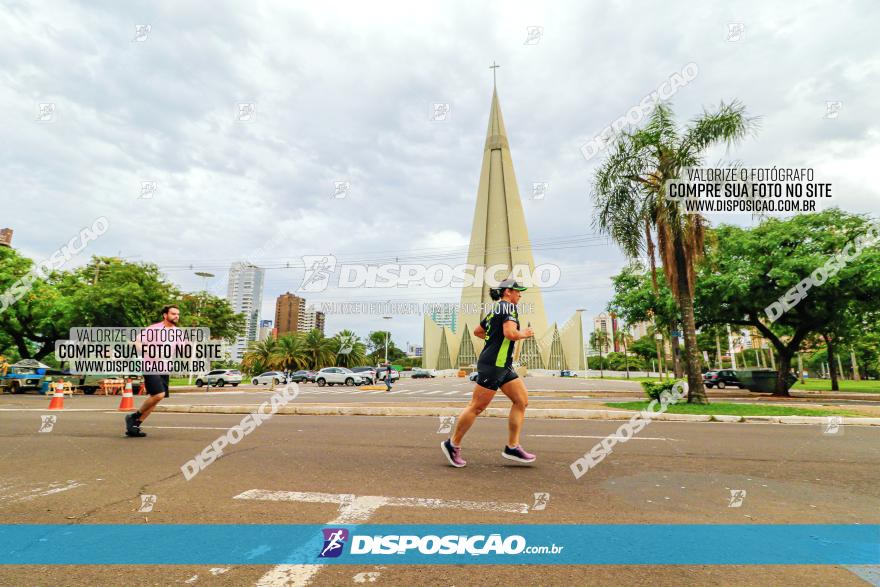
column 28, row 374
column 22, row 376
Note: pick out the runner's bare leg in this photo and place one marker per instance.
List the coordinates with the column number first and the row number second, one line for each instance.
column 479, row 402
column 149, row 404
column 519, row 395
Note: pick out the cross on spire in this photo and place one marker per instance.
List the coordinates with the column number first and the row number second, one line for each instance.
column 493, row 67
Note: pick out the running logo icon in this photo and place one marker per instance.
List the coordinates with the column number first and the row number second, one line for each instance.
column 334, row 542
column 47, row 423
column 318, row 270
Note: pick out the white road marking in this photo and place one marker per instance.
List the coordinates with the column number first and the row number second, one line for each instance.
column 187, row 427
column 451, row 392
column 353, row 510
column 435, row 392
column 50, row 489
column 589, row 436
column 47, row 407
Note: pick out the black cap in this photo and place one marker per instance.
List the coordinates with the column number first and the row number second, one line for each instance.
column 510, row 284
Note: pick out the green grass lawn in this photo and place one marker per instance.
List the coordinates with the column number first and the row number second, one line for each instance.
column 845, row 385
column 633, row 378
column 737, row 409
column 809, row 385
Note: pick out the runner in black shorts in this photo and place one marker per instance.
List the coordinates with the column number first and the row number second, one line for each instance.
column 500, row 329
column 155, row 384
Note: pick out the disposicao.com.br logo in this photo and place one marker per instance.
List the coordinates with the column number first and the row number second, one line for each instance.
column 475, row 545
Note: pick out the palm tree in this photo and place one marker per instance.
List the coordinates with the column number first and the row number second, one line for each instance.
column 349, row 349
column 318, row 349
column 260, row 355
column 624, row 338
column 599, row 341
column 290, row 353
column 632, row 207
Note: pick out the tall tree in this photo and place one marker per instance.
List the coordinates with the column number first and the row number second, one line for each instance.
column 106, row 292
column 207, row 311
column 318, row 349
column 376, row 346
column 260, row 356
column 645, row 297
column 747, row 271
column 599, row 341
column 349, row 350
column 624, row 338
column 631, row 202
column 290, row 353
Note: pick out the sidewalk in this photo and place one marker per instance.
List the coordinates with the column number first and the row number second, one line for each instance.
column 532, row 413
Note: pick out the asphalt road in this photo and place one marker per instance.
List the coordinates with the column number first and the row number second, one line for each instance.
column 85, row 472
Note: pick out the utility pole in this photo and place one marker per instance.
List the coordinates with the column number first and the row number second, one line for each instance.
column 730, row 348
column 855, row 367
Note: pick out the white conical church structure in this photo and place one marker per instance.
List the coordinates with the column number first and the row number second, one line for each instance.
column 500, row 237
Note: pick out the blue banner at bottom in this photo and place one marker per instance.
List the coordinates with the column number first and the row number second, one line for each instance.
column 429, row 544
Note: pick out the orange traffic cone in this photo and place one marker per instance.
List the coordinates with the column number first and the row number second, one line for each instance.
column 57, row 402
column 127, row 403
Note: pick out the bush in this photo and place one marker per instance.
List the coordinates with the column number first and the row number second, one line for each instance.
column 654, row 389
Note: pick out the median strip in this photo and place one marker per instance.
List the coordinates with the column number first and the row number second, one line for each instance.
column 537, row 413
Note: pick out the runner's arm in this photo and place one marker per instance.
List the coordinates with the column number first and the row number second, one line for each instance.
column 511, row 332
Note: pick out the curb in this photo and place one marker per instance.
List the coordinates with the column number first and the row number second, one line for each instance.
column 536, row 413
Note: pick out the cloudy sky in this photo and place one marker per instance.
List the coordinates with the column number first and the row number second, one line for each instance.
column 344, row 92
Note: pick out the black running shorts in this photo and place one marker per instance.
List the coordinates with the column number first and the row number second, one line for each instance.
column 492, row 377
column 156, row 384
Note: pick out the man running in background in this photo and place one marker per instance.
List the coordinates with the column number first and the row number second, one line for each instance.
column 155, row 384
column 500, row 329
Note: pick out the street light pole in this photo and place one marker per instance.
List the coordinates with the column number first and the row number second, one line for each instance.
column 205, row 276
column 387, row 333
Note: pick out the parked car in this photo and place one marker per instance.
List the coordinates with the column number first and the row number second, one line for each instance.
column 473, row 376
column 423, row 374
column 368, row 373
column 380, row 374
column 721, row 379
column 219, row 378
column 338, row 376
column 567, row 373
column 301, row 376
column 267, row 378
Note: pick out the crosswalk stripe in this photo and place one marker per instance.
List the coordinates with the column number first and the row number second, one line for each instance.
column 435, row 392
